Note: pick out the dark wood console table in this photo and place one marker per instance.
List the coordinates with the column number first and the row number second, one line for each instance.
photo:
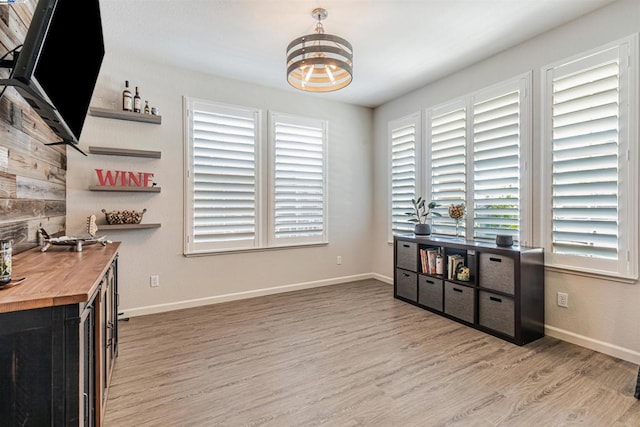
column 58, row 336
column 503, row 294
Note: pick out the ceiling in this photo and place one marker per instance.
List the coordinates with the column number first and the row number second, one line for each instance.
column 399, row 45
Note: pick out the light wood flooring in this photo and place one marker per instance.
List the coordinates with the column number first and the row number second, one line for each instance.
column 352, row 355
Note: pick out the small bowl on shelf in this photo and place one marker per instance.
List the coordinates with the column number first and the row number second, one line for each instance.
column 504, row 240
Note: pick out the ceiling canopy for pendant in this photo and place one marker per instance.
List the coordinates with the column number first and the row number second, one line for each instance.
column 319, row 62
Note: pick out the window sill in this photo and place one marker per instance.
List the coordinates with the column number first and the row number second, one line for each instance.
column 242, row 251
column 591, row 274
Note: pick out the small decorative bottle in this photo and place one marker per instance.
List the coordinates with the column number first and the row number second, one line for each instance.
column 137, row 103
column 439, row 265
column 5, row 261
column 127, row 100
column 147, row 110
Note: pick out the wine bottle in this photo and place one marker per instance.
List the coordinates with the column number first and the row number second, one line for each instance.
column 147, row 110
column 136, row 101
column 127, row 100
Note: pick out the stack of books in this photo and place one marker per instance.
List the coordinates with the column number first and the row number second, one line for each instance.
column 428, row 260
column 452, row 264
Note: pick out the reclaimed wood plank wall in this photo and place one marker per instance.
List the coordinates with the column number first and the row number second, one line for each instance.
column 32, row 174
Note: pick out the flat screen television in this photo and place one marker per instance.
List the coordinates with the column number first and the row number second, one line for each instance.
column 58, row 64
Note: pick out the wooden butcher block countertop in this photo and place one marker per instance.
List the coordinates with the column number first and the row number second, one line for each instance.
column 58, row 276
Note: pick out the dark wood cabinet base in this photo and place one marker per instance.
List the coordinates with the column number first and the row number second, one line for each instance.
column 503, row 294
column 56, row 361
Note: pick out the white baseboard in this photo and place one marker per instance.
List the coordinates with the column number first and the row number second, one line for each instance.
column 384, row 279
column 593, row 344
column 178, row 305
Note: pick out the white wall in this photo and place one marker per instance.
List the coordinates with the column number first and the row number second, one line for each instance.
column 603, row 315
column 198, row 280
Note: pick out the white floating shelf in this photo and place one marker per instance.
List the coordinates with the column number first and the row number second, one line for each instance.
column 129, row 189
column 111, row 151
column 125, row 115
column 126, row 226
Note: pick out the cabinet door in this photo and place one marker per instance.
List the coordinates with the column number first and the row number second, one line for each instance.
column 407, row 284
column 407, row 255
column 26, row 368
column 106, row 351
column 459, row 301
column 497, row 272
column 497, row 312
column 87, row 366
column 101, row 356
column 111, row 316
column 115, row 302
column 430, row 292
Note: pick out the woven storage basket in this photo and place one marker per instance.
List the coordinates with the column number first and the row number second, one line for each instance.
column 123, row 217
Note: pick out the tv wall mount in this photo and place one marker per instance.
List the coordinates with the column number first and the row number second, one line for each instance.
column 35, row 99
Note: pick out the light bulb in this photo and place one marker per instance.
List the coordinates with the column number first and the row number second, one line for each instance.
column 333, row 80
column 308, row 76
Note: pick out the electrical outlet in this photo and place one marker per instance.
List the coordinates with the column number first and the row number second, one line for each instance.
column 154, row 281
column 563, row 299
column 339, row 260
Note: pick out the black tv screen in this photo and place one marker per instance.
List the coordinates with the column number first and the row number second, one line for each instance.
column 59, row 63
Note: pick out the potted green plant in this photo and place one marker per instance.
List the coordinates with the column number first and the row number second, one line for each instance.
column 420, row 215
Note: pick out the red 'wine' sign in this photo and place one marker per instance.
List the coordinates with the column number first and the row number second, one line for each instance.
column 124, row 178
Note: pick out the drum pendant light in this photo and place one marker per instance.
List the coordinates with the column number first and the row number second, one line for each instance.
column 319, row 62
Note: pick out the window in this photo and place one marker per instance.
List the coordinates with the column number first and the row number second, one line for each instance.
column 590, row 158
column 298, row 200
column 477, row 151
column 226, row 185
column 404, row 137
column 222, row 177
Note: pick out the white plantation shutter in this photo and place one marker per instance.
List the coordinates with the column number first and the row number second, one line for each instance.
column 222, row 169
column 585, row 162
column 298, row 202
column 477, row 151
column 404, row 139
column 230, row 205
column 589, row 158
column 448, row 159
column 496, row 166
